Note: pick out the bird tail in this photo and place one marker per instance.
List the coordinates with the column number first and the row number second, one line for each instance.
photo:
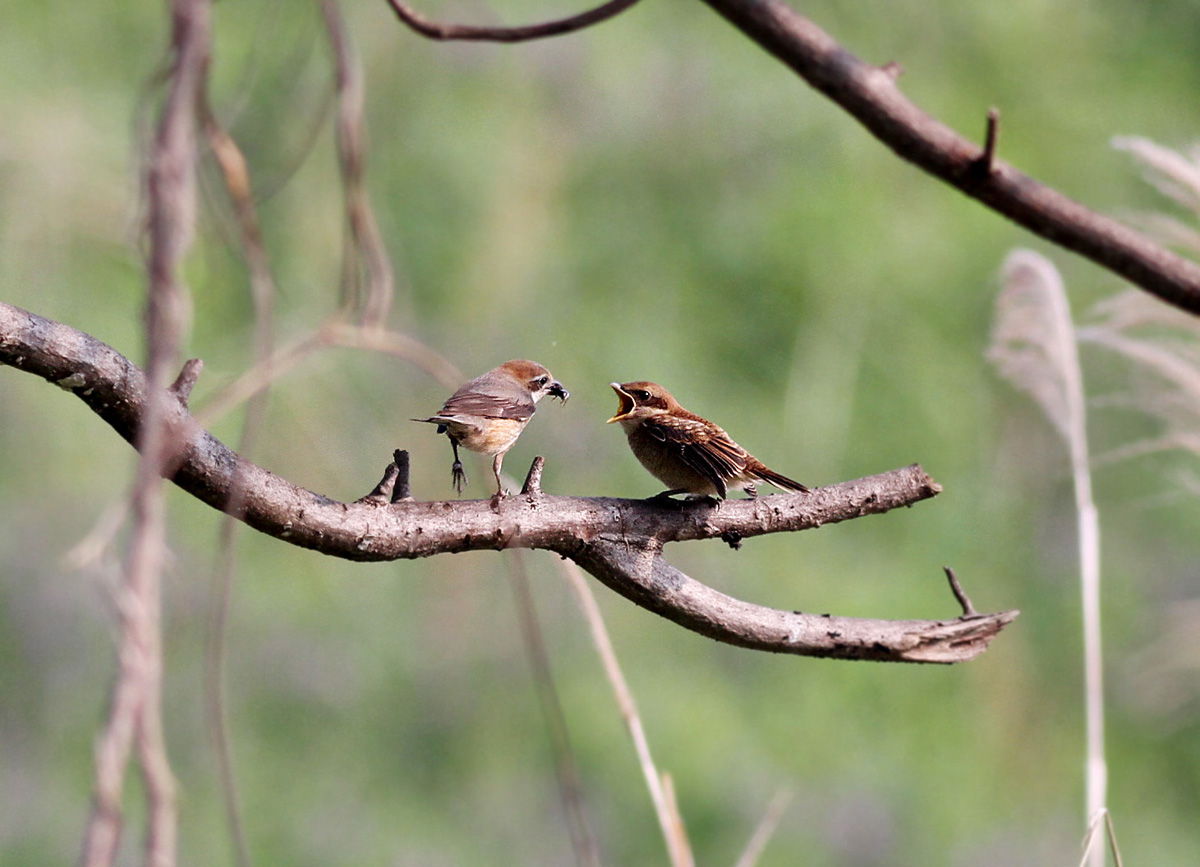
column 440, row 422
column 769, row 475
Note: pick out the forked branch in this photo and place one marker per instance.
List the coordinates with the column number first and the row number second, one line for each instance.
column 619, row 541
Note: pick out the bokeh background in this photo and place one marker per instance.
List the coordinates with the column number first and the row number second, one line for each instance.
column 652, row 198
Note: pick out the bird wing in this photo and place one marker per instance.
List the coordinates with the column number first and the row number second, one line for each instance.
column 705, row 448
column 480, row 397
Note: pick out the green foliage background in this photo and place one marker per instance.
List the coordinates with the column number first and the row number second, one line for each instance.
column 652, row 198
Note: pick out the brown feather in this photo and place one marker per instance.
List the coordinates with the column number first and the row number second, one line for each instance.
column 685, row 451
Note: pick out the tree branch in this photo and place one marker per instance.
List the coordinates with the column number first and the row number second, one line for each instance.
column 619, row 541
column 435, row 30
column 870, row 94
column 135, row 706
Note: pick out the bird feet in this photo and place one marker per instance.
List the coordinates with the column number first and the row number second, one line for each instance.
column 458, row 475
column 667, row 498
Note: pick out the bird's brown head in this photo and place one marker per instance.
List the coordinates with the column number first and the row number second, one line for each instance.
column 641, row 400
column 536, row 378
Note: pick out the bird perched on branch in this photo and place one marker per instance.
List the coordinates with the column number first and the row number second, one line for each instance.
column 487, row 414
column 687, row 453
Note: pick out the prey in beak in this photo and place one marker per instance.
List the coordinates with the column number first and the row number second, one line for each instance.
column 555, row 389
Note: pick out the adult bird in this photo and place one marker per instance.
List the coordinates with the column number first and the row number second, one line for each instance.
column 487, row 414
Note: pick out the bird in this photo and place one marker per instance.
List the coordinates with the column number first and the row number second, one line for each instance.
column 488, row 413
column 687, row 453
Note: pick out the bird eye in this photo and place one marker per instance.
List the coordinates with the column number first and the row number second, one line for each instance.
column 541, row 381
column 641, row 395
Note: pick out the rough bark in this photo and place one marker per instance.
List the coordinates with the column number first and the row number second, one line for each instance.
column 618, row 541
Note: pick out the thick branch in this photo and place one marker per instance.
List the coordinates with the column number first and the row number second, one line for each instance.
column 619, row 541
column 870, row 94
column 656, row 585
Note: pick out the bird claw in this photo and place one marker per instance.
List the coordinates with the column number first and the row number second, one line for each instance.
column 458, row 475
column 667, row 498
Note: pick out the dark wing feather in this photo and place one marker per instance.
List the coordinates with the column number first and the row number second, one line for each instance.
column 705, row 448
column 490, row 400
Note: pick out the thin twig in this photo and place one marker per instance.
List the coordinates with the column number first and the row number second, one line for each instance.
column 236, row 174
column 986, row 161
column 963, row 599
column 334, row 333
column 434, row 30
column 533, row 480
column 364, row 254
column 402, row 489
column 186, row 381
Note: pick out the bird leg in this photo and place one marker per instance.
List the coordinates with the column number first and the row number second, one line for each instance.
column 688, row 497
column 497, row 463
column 667, row 495
column 457, row 474
column 667, row 498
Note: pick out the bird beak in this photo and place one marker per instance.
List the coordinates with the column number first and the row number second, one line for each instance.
column 556, row 390
column 626, row 406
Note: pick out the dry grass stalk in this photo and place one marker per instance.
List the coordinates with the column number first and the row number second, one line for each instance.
column 1033, row 346
column 661, row 793
column 766, row 828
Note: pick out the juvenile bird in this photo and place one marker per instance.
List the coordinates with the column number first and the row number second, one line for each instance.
column 687, row 453
column 487, row 414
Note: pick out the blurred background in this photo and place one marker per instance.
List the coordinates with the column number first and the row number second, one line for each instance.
column 651, row 198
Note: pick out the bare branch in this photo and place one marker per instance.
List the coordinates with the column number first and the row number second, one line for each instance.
column 985, row 163
column 135, row 712
column 619, row 541
column 401, row 489
column 646, row 579
column 434, row 30
column 333, row 333
column 236, row 174
column 871, row 95
column 364, row 255
column 533, row 481
column 186, row 381
column 961, row 595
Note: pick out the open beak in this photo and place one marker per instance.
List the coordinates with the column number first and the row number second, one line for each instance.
column 626, row 406
column 556, row 390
